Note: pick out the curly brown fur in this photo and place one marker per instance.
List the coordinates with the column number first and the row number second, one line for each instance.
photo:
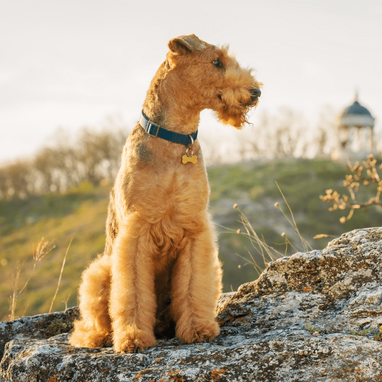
column 160, row 266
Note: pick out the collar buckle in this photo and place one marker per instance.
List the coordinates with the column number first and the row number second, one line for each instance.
column 148, row 129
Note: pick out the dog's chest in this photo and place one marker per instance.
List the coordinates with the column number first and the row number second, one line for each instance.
column 182, row 192
column 155, row 183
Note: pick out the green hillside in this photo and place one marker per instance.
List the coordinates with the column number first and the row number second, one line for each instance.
column 80, row 214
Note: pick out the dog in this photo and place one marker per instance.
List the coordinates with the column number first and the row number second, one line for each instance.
column 160, row 266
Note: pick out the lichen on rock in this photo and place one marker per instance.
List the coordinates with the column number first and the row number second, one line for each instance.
column 313, row 316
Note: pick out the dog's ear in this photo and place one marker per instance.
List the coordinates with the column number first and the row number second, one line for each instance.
column 185, row 44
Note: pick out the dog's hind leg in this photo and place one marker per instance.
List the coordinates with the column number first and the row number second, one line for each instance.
column 196, row 286
column 132, row 296
column 93, row 329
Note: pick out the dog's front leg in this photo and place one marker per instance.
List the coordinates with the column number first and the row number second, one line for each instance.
column 132, row 296
column 196, row 286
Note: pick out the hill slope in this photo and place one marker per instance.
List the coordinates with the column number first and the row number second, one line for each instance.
column 80, row 214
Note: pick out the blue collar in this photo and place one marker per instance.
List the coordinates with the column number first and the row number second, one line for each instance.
column 157, row 131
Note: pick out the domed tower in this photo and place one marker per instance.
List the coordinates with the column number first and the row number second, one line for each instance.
column 355, row 134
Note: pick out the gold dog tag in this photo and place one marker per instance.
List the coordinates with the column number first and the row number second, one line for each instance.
column 192, row 159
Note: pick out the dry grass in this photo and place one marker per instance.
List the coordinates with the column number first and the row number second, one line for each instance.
column 305, row 246
column 267, row 252
column 59, row 279
column 42, row 249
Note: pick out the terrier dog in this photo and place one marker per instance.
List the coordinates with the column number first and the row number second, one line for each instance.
column 160, row 264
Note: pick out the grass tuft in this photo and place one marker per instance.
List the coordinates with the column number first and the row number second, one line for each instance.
column 42, row 249
column 268, row 253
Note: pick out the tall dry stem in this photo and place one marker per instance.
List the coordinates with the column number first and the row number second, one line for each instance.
column 267, row 252
column 13, row 298
column 305, row 245
column 59, row 279
column 42, row 249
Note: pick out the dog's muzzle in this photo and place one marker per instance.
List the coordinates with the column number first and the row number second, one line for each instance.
column 255, row 94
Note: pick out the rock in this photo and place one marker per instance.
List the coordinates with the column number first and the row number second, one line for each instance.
column 309, row 317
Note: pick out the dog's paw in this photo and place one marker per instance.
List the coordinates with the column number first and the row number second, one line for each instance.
column 91, row 340
column 132, row 342
column 82, row 336
column 201, row 331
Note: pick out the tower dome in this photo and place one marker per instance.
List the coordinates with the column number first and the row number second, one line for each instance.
column 356, row 115
column 355, row 135
column 356, row 109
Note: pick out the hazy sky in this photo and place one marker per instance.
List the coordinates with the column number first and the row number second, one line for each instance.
column 71, row 63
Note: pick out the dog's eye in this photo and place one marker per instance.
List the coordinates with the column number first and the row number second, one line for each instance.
column 217, row 63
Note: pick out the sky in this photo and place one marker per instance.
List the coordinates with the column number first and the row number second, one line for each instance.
column 74, row 63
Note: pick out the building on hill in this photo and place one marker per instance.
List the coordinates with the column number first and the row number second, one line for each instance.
column 355, row 132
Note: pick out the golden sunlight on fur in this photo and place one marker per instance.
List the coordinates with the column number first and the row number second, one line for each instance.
column 160, row 269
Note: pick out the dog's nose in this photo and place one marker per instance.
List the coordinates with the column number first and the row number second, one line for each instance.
column 255, row 94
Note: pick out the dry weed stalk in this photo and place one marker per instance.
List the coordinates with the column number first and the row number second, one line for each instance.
column 15, row 294
column 42, row 249
column 61, row 272
column 65, row 301
column 366, row 175
column 305, row 245
column 267, row 252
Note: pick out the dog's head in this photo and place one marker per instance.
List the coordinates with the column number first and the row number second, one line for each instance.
column 211, row 78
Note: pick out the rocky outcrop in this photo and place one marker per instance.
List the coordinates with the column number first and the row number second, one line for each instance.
column 312, row 316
